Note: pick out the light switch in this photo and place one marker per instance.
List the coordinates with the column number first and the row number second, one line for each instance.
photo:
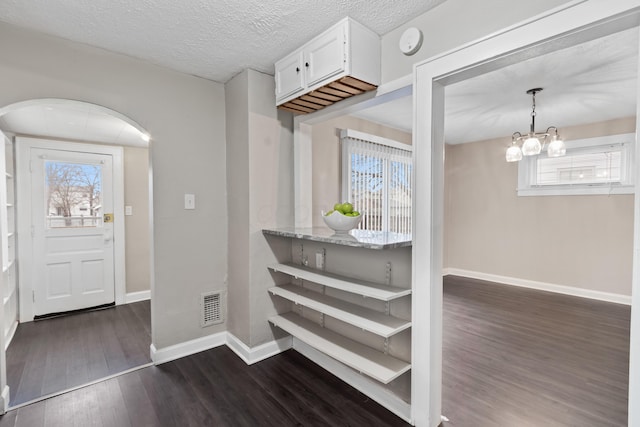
column 128, row 210
column 189, row 201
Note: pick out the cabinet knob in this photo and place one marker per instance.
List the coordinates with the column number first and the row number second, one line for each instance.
column 306, row 64
column 297, row 69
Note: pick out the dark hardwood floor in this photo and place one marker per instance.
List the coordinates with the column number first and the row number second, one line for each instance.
column 212, row 388
column 512, row 357
column 56, row 354
column 520, row 357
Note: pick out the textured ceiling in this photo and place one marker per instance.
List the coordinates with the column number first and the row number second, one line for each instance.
column 214, row 39
column 588, row 83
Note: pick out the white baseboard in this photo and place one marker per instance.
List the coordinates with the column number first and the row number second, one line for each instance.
column 137, row 296
column 187, row 348
column 9, row 337
column 251, row 355
column 542, row 286
column 366, row 386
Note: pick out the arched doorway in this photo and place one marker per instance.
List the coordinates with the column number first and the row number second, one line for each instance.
column 69, row 126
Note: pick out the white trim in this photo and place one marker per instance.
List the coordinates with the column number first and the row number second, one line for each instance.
column 404, row 82
column 354, row 134
column 542, row 286
column 23, row 146
column 187, row 348
column 78, row 387
column 9, row 336
column 251, row 355
column 606, row 190
column 361, row 383
column 6, row 393
column 137, row 296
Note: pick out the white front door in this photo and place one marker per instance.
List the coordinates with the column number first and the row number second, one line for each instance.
column 72, row 230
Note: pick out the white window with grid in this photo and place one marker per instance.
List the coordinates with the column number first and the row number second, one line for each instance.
column 602, row 165
column 377, row 176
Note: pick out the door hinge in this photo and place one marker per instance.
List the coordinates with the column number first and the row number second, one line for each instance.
column 33, row 295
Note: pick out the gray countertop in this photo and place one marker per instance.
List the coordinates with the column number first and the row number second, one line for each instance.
column 355, row 238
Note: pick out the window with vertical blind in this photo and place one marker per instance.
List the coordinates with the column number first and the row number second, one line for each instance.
column 602, row 165
column 376, row 178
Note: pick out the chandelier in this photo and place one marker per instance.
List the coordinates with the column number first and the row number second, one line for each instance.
column 533, row 142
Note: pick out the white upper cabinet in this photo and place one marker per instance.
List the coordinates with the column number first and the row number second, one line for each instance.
column 341, row 62
column 289, row 75
column 325, row 56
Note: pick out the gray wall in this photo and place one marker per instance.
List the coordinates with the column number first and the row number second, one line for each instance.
column 260, row 194
column 185, row 117
column 454, row 23
column 137, row 232
column 327, row 154
column 237, row 116
column 579, row 241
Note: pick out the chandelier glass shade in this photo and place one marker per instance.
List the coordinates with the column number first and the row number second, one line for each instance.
column 534, row 142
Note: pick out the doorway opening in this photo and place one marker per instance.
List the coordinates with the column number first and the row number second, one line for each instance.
column 588, row 22
column 81, row 179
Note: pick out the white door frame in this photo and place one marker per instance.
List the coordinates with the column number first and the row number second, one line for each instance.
column 568, row 25
column 23, row 146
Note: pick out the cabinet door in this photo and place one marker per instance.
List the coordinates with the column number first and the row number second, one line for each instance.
column 289, row 75
column 325, row 56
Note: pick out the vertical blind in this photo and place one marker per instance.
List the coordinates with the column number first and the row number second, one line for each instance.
column 376, row 177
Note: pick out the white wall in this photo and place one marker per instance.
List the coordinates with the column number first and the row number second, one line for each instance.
column 452, row 24
column 185, row 117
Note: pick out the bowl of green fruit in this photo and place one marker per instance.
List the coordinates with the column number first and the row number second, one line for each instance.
column 342, row 218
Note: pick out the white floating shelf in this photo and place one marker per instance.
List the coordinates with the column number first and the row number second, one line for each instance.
column 366, row 360
column 356, row 286
column 365, row 318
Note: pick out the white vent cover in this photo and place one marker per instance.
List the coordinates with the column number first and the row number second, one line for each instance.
column 211, row 308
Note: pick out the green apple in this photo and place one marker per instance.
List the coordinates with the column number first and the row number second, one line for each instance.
column 347, row 207
column 328, row 213
column 355, row 213
column 337, row 206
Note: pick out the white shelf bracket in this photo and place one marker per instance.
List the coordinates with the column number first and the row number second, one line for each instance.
column 386, row 346
column 387, row 308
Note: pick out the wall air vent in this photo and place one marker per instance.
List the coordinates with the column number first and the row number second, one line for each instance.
column 211, row 308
